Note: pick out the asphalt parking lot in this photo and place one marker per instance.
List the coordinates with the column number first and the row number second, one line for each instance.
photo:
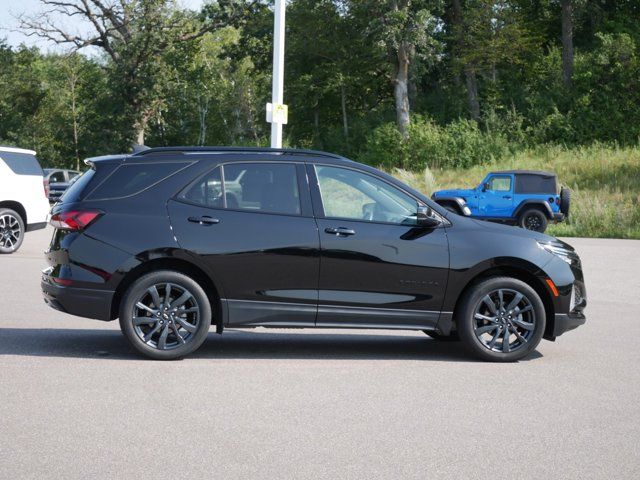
column 77, row 402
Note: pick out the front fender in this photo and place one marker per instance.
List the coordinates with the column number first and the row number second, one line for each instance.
column 463, row 208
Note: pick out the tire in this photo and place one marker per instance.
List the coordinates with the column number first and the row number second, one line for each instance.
column 483, row 332
column 533, row 219
column 161, row 324
column 453, row 337
column 565, row 201
column 11, row 230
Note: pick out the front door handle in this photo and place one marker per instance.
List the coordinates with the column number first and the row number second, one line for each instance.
column 206, row 220
column 340, row 231
column 507, row 196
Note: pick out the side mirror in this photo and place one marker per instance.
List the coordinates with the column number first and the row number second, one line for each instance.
column 485, row 187
column 425, row 217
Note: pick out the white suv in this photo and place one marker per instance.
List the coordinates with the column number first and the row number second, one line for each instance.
column 24, row 205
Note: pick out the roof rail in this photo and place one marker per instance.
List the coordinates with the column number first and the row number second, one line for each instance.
column 185, row 150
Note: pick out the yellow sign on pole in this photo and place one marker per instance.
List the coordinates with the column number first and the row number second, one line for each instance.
column 277, row 113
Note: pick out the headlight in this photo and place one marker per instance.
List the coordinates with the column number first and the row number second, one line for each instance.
column 561, row 252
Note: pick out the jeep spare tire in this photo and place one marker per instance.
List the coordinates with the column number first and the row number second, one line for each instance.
column 565, row 200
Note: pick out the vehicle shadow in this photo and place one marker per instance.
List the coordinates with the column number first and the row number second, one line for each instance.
column 237, row 344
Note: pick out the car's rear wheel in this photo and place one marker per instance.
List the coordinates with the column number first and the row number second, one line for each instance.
column 501, row 319
column 11, row 230
column 165, row 315
column 533, row 219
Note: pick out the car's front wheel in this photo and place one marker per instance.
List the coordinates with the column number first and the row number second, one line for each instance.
column 501, row 319
column 11, row 230
column 165, row 315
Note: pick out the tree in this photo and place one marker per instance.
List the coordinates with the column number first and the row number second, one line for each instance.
column 406, row 28
column 567, row 42
column 134, row 34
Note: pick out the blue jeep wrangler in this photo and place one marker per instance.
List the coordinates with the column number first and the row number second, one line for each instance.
column 526, row 198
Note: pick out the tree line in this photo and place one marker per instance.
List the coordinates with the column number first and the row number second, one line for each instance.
column 395, row 82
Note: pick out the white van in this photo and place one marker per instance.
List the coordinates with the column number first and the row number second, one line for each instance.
column 24, row 205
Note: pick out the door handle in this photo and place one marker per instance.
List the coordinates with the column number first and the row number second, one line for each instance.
column 506, row 196
column 340, row 231
column 206, row 220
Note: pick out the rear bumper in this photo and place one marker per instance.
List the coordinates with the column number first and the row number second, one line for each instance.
column 567, row 321
column 35, row 226
column 558, row 217
column 83, row 302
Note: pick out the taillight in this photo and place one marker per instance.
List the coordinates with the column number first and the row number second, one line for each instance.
column 557, row 200
column 45, row 184
column 74, row 219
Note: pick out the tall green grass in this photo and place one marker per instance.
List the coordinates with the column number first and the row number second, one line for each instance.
column 604, row 182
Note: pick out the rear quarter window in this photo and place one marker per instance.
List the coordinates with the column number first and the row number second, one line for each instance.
column 535, row 184
column 130, row 179
column 22, row 163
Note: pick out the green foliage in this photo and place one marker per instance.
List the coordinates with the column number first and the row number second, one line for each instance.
column 460, row 143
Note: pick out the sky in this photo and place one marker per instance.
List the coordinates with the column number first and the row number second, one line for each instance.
column 10, row 9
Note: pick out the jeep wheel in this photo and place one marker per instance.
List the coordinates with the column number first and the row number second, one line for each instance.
column 452, row 209
column 533, row 219
column 565, row 200
column 11, row 231
column 501, row 319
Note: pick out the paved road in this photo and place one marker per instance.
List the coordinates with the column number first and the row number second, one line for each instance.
column 76, row 402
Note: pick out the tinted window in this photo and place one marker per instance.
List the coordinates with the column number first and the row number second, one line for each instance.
column 73, row 193
column 206, row 191
column 265, row 187
column 350, row 194
column 22, row 163
column 132, row 179
column 500, row 184
column 526, row 183
column 259, row 187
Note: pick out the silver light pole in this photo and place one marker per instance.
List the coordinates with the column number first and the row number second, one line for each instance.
column 277, row 111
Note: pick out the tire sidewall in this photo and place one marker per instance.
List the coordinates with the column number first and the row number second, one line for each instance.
column 13, row 213
column 136, row 290
column 539, row 214
column 465, row 318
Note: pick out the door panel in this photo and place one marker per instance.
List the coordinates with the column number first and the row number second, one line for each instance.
column 378, row 270
column 267, row 263
column 497, row 200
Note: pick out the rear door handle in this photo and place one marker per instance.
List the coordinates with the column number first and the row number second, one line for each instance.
column 340, row 231
column 206, row 220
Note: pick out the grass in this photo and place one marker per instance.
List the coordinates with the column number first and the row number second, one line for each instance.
column 604, row 183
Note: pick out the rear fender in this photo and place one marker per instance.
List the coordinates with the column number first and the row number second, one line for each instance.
column 540, row 204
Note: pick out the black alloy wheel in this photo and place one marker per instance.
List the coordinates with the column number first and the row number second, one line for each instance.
column 165, row 315
column 534, row 219
column 502, row 319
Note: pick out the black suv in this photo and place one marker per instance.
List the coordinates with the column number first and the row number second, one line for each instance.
column 173, row 240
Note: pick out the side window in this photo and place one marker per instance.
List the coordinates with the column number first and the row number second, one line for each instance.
column 57, row 177
column 131, row 179
column 21, row 163
column 354, row 195
column 262, row 187
column 500, row 184
column 207, row 191
column 256, row 187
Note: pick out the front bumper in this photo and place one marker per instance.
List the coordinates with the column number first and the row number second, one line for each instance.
column 567, row 321
column 83, row 302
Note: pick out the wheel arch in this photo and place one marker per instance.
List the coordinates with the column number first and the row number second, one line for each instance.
column 539, row 204
column 456, row 202
column 521, row 271
column 177, row 264
column 16, row 207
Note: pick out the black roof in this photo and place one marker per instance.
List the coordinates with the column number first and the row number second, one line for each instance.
column 240, row 150
column 527, row 172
